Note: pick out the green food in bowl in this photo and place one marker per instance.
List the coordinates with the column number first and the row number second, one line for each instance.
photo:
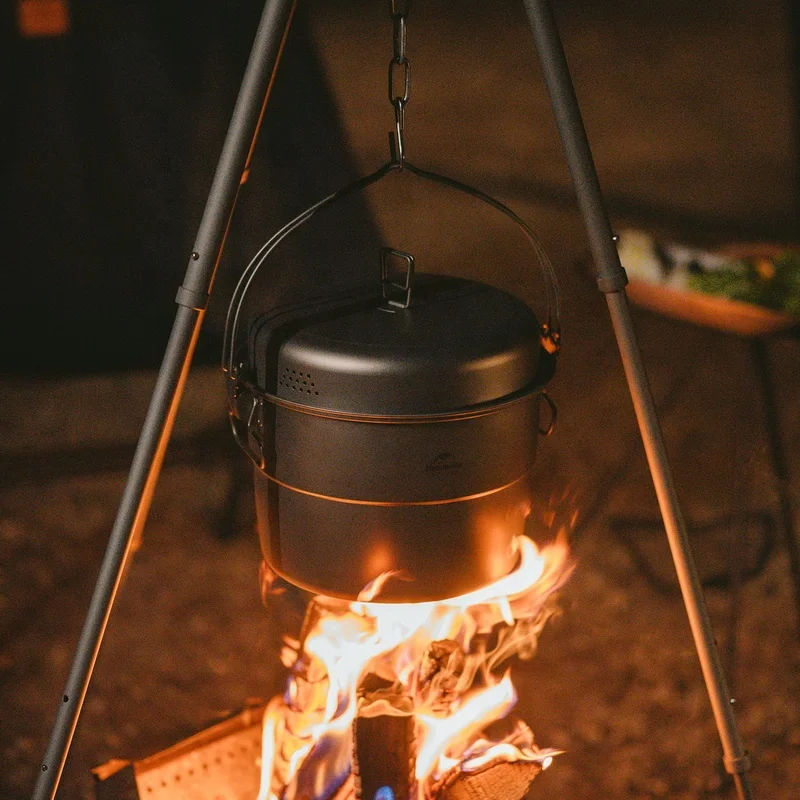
column 770, row 282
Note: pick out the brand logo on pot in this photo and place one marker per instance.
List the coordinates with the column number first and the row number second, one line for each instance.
column 443, row 462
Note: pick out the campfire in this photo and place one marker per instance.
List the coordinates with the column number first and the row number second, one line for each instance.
column 412, row 700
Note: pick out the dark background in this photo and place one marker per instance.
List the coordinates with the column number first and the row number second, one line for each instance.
column 112, row 137
column 112, row 132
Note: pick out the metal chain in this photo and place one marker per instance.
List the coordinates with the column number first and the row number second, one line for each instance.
column 399, row 76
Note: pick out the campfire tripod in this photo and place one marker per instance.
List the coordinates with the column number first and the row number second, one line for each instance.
column 192, row 300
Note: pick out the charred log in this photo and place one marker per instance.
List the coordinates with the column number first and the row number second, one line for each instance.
column 384, row 751
column 439, row 674
column 501, row 780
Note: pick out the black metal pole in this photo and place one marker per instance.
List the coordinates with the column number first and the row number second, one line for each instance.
column 780, row 465
column 192, row 300
column 611, row 280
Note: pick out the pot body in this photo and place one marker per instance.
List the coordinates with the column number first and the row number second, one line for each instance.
column 393, row 438
column 438, row 501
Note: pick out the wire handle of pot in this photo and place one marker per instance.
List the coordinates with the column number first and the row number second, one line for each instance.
column 550, row 330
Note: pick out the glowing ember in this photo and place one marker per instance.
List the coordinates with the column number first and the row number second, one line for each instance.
column 440, row 667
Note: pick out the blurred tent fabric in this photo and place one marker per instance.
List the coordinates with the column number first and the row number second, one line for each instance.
column 112, row 133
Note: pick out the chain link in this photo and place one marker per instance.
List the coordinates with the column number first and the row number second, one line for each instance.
column 399, row 76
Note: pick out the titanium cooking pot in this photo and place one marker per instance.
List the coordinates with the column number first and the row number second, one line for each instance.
column 392, row 430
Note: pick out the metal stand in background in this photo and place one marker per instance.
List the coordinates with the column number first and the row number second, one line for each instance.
column 780, row 466
column 192, row 300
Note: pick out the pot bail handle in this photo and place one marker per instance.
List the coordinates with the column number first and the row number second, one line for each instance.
column 550, row 330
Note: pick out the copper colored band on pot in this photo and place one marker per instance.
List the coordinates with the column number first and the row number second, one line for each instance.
column 397, row 503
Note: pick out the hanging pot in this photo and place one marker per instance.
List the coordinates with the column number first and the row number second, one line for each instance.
column 393, row 430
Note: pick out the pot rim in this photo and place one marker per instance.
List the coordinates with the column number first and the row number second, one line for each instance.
column 537, row 386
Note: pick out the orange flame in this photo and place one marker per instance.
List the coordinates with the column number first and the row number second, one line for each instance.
column 444, row 733
column 307, row 735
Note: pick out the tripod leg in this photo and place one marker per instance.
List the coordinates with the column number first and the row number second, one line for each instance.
column 611, row 280
column 192, row 300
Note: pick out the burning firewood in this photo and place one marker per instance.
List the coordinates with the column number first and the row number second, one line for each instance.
column 383, row 741
column 439, row 673
column 501, row 780
column 378, row 708
column 346, row 791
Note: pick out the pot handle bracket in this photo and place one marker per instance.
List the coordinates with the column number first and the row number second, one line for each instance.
column 551, row 423
column 246, row 416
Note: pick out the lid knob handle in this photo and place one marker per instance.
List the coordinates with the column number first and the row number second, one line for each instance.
column 396, row 284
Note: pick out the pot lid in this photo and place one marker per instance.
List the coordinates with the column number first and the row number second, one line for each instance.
column 457, row 344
